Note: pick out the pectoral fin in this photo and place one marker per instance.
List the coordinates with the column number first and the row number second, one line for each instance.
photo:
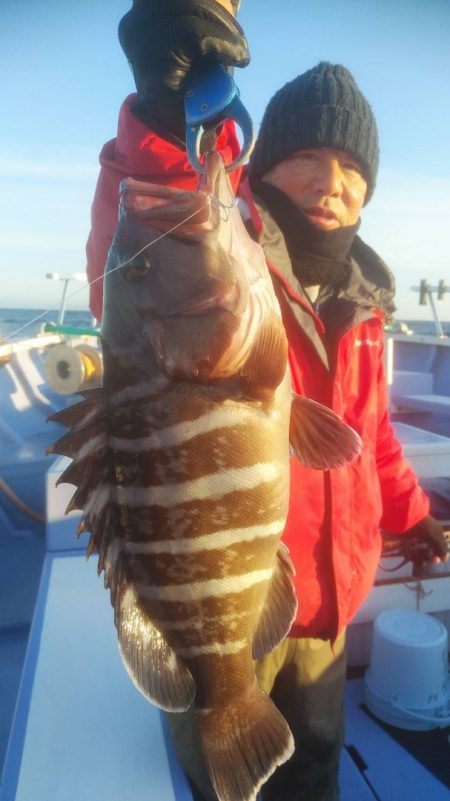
column 318, row 436
column 266, row 364
column 280, row 607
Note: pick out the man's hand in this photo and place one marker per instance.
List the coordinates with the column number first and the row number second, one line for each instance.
column 165, row 39
column 430, row 533
column 423, row 543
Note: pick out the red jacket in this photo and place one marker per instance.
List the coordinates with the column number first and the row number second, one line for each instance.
column 333, row 527
column 334, row 519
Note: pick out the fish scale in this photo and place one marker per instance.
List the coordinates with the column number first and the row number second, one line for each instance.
column 201, row 579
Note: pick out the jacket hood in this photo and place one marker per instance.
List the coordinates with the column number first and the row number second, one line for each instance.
column 371, row 281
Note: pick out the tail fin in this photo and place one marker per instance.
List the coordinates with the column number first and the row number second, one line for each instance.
column 243, row 745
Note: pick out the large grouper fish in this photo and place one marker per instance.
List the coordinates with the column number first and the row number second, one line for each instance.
column 181, row 463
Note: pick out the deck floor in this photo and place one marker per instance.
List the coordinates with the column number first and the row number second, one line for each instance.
column 82, row 731
column 390, row 771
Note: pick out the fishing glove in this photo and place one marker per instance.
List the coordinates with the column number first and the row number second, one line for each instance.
column 163, row 40
column 430, row 535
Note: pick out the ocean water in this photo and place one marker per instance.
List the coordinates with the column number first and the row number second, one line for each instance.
column 22, row 323
column 25, row 323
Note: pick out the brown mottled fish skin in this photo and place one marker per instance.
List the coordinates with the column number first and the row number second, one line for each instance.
column 182, row 468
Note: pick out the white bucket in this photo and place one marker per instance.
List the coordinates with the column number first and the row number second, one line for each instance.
column 407, row 683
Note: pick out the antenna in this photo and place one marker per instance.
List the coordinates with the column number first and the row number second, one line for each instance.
column 426, row 291
column 66, row 279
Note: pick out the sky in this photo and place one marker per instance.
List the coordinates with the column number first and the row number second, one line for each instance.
column 64, row 76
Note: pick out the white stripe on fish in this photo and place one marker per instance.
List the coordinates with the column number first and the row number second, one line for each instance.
column 220, row 648
column 145, row 390
column 206, row 542
column 211, row 588
column 92, row 445
column 98, row 498
column 180, row 433
column 214, row 485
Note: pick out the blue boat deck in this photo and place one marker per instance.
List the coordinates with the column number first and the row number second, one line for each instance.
column 82, row 731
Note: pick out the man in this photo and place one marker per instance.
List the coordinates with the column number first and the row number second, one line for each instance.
column 313, row 169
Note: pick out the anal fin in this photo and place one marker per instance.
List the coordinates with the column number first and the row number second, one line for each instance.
column 153, row 666
column 280, row 607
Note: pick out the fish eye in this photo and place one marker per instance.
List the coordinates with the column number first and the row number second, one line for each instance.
column 137, row 270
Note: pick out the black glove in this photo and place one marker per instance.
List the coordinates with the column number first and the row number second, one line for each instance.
column 164, row 40
column 431, row 542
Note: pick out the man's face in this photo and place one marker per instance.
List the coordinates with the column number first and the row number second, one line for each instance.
column 325, row 183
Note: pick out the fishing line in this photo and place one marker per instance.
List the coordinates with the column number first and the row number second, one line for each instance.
column 26, row 325
column 210, row 198
column 224, row 207
column 149, row 244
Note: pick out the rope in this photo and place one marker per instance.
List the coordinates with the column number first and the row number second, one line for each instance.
column 21, row 505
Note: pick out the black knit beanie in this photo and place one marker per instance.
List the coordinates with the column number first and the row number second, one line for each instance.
column 321, row 108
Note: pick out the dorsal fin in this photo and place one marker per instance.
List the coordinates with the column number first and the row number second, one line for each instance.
column 89, row 471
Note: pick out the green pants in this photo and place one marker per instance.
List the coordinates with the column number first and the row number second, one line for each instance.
column 305, row 679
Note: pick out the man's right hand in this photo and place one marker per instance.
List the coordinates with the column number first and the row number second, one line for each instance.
column 164, row 39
